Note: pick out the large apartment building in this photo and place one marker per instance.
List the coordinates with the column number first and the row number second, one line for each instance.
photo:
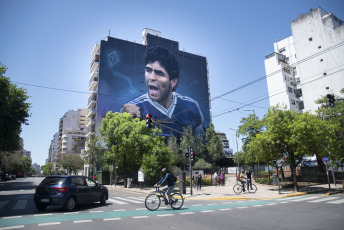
column 309, row 64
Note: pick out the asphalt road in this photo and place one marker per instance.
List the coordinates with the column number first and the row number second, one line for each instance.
column 126, row 210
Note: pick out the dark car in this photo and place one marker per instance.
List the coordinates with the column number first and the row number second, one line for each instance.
column 69, row 191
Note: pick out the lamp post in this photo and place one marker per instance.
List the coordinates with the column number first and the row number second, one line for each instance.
column 254, row 113
column 236, row 138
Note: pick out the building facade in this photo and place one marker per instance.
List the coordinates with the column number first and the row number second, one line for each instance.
column 309, row 64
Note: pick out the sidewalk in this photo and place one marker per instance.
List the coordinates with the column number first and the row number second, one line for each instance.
column 226, row 192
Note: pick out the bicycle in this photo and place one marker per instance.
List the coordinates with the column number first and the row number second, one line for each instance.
column 153, row 200
column 238, row 188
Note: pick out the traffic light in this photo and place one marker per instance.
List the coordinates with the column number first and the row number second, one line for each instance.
column 330, row 99
column 186, row 154
column 149, row 122
column 192, row 156
column 274, row 163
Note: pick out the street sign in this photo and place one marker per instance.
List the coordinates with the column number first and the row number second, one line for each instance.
column 141, row 177
column 325, row 159
column 111, row 168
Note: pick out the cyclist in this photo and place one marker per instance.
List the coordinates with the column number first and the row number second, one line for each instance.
column 243, row 180
column 166, row 177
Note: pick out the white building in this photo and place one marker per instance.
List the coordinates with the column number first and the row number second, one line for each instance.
column 309, row 64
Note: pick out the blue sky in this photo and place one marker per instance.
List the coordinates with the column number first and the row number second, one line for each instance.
column 48, row 44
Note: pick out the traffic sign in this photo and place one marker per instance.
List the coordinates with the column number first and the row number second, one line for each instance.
column 325, row 159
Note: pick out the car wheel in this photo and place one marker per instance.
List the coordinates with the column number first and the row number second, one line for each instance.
column 70, row 204
column 103, row 199
column 41, row 207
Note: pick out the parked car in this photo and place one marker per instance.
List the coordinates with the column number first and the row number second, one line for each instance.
column 7, row 177
column 69, row 191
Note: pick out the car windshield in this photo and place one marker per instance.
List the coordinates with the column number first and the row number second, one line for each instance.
column 53, row 181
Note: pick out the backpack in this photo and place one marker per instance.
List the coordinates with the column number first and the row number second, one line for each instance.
column 174, row 178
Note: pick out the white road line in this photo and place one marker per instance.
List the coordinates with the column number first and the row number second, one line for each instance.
column 141, row 209
column 272, row 204
column 81, row 221
column 242, row 207
column 139, row 217
column 109, row 219
column 12, row 217
column 47, row 214
column 211, row 204
column 69, row 213
column 186, row 213
column 260, row 205
column 129, row 200
column 225, row 209
column 3, row 203
column 307, row 198
column 139, row 198
column 285, row 202
column 195, row 205
column 165, row 215
column 117, row 201
column 95, row 211
column 228, row 202
column 323, row 199
column 21, row 204
column 336, row 201
column 51, row 223
column 119, row 210
column 13, row 227
column 208, row 211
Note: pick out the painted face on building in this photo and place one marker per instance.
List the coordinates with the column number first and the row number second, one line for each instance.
column 159, row 85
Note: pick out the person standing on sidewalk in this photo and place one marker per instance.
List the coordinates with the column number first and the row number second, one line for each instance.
column 249, row 179
column 215, row 178
column 199, row 182
column 222, row 178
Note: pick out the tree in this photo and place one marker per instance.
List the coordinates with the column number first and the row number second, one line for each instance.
column 202, row 164
column 213, row 144
column 131, row 143
column 95, row 153
column 14, row 112
column 72, row 162
column 47, row 169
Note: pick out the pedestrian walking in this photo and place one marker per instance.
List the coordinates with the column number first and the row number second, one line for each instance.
column 215, row 178
column 222, row 178
column 199, row 182
column 219, row 179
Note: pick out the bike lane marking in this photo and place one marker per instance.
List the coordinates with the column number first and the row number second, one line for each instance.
column 54, row 219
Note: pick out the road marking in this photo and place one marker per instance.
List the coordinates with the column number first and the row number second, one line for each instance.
column 336, row 201
column 211, row 204
column 12, row 217
column 196, row 205
column 225, row 209
column 139, row 217
column 21, row 204
column 117, row 201
column 51, row 223
column 260, row 205
column 95, row 211
column 3, row 203
column 141, row 209
column 81, row 221
column 129, row 200
column 242, row 207
column 228, row 202
column 165, row 215
column 307, row 198
column 323, row 199
column 48, row 214
column 69, row 213
column 13, row 227
column 285, row 202
column 119, row 210
column 109, row 219
column 186, row 213
column 208, row 211
column 272, row 204
column 139, row 198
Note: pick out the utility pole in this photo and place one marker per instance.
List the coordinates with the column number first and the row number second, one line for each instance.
column 236, row 138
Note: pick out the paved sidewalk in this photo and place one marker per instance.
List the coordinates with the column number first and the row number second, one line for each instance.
column 226, row 192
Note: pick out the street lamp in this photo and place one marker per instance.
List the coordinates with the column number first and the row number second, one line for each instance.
column 236, row 137
column 254, row 113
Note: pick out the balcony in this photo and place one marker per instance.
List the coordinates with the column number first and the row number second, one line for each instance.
column 89, row 135
column 93, row 75
column 90, row 123
column 93, row 93
column 91, row 112
column 92, row 103
column 93, row 84
column 95, row 49
column 94, row 63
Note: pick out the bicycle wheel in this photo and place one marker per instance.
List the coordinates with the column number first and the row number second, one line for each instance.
column 152, row 202
column 237, row 188
column 177, row 200
column 253, row 188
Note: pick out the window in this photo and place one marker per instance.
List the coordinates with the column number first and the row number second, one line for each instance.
column 281, row 50
column 292, row 102
column 310, row 39
column 90, row 182
column 290, row 90
column 78, row 181
column 319, row 47
column 321, row 60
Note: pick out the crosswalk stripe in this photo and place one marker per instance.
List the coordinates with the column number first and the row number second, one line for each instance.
column 324, row 199
column 129, row 200
column 139, row 198
column 3, row 203
column 21, row 204
column 307, row 198
column 336, row 201
column 117, row 201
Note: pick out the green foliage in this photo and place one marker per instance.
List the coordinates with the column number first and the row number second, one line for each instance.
column 213, row 144
column 72, row 162
column 202, row 164
column 47, row 169
column 14, row 112
column 95, row 153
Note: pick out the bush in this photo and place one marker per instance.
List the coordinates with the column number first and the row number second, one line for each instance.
column 205, row 181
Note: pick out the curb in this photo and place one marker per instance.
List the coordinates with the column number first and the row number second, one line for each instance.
column 247, row 198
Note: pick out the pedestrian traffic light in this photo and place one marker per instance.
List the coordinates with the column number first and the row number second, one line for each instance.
column 330, row 99
column 149, row 122
column 192, row 156
column 274, row 163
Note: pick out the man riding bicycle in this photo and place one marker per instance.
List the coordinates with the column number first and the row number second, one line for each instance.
column 166, row 177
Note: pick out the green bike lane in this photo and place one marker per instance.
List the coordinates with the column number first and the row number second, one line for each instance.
column 47, row 218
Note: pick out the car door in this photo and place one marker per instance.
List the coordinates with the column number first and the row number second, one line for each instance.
column 93, row 190
column 81, row 191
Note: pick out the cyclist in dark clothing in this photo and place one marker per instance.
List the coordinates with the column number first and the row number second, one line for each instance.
column 249, row 182
column 170, row 183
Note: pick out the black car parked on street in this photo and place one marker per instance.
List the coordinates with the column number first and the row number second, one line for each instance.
column 69, row 191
